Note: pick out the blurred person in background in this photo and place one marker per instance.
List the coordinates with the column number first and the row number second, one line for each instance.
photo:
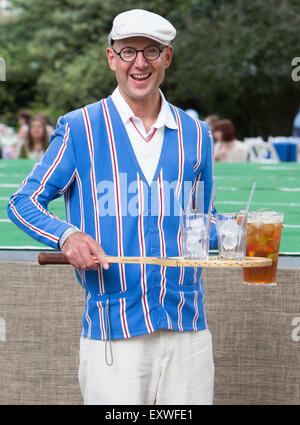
column 37, row 139
column 23, row 118
column 212, row 121
column 227, row 148
column 49, row 123
column 9, row 142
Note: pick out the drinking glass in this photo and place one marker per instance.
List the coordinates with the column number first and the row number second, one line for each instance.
column 231, row 230
column 263, row 240
column 195, row 230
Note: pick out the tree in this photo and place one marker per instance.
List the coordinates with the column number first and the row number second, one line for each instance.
column 20, row 84
column 243, row 51
column 231, row 57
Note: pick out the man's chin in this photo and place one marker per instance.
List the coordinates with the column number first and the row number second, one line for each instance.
column 140, row 95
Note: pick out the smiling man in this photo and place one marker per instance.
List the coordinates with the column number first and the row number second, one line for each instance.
column 145, row 338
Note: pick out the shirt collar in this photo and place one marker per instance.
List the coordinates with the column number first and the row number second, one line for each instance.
column 165, row 116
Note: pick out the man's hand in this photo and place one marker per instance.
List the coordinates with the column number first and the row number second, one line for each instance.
column 79, row 248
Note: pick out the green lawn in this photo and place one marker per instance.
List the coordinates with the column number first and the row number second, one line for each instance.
column 277, row 187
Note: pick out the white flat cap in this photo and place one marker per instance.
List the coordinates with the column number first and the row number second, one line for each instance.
column 141, row 23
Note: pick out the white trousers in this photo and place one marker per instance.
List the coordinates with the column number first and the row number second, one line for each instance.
column 166, row 367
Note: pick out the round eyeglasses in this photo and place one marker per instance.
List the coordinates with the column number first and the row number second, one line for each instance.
column 129, row 54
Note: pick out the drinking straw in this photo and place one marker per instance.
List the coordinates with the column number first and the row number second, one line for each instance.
column 197, row 197
column 197, row 200
column 189, row 209
column 250, row 197
column 210, row 202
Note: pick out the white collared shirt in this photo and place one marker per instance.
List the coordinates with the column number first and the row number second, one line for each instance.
column 146, row 146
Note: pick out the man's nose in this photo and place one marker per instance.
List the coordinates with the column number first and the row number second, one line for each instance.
column 140, row 60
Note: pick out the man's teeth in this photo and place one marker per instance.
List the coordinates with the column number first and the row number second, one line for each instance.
column 140, row 77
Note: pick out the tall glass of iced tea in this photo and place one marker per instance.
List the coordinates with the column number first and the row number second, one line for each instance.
column 263, row 240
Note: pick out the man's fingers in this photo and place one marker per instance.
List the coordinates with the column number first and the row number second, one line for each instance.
column 80, row 250
column 100, row 255
column 88, row 260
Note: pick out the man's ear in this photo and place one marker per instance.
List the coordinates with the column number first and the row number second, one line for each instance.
column 168, row 56
column 111, row 58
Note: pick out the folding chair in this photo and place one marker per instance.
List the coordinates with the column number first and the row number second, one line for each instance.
column 261, row 151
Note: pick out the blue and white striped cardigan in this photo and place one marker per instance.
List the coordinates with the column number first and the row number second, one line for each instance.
column 89, row 158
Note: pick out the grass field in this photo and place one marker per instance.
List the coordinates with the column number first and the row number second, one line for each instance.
column 277, row 187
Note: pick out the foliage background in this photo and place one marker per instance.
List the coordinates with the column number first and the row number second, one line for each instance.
column 231, row 57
